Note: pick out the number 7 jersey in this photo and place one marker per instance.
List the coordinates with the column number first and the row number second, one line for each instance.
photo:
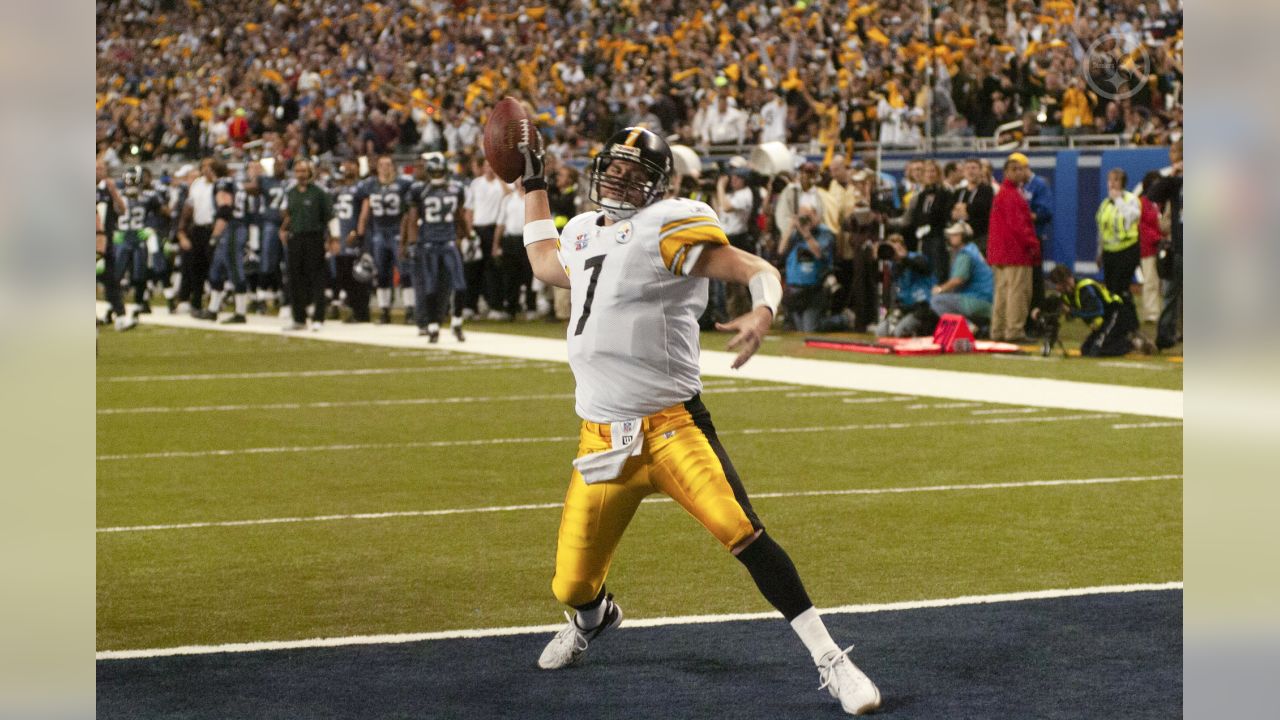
column 633, row 332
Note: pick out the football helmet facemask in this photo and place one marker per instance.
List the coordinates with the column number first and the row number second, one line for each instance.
column 363, row 271
column 133, row 180
column 621, row 192
column 437, row 167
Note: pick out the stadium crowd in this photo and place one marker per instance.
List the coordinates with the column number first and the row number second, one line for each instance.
column 243, row 93
column 178, row 79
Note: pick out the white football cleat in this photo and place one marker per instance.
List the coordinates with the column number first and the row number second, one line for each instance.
column 846, row 683
column 568, row 645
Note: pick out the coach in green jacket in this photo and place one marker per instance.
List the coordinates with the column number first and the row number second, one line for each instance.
column 308, row 210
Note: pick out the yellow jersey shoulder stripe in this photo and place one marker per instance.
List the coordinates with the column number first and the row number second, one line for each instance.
column 674, row 224
column 675, row 247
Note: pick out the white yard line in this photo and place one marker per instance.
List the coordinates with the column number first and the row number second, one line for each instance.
column 462, row 400
column 565, row 438
column 398, row 638
column 1006, row 411
column 340, row 372
column 557, row 506
column 1139, row 426
column 941, row 406
column 834, row 374
column 1133, row 365
column 322, row 405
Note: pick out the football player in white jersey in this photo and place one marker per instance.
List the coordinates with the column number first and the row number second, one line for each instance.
column 637, row 271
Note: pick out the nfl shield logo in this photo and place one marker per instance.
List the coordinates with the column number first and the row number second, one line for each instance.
column 580, row 242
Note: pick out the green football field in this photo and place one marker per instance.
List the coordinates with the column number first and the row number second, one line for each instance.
column 234, row 469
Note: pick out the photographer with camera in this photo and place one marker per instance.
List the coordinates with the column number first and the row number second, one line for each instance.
column 910, row 314
column 803, row 191
column 808, row 253
column 1111, row 318
column 968, row 291
column 736, row 203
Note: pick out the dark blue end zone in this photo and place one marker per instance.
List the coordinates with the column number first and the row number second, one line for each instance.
column 1101, row 656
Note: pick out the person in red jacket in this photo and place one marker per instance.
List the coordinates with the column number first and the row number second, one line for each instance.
column 1012, row 251
column 238, row 128
column 1149, row 237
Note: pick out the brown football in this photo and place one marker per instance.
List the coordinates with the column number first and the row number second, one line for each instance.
column 508, row 125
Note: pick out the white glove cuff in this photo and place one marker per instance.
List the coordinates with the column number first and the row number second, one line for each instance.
column 766, row 290
column 540, row 230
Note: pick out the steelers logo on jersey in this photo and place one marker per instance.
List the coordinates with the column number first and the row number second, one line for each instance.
column 624, row 233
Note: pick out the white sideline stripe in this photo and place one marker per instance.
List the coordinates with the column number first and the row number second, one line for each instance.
column 475, row 365
column 1136, row 426
column 720, row 390
column 865, row 401
column 558, row 505
column 1006, row 411
column 399, row 638
column 566, row 438
column 830, row 374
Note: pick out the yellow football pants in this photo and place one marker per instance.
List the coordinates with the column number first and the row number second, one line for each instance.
column 683, row 459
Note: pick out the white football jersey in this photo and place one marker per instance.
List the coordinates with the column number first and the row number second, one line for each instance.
column 633, row 333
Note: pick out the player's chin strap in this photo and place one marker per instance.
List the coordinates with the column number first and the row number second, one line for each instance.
column 766, row 290
column 618, row 213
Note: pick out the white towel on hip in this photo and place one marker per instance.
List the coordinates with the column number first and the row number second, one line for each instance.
column 628, row 439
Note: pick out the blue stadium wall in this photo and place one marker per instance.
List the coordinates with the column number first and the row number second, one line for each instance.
column 1078, row 179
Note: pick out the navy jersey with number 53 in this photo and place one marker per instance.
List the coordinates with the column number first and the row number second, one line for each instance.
column 387, row 203
column 438, row 207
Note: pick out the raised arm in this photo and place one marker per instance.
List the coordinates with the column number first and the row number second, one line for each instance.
column 541, row 239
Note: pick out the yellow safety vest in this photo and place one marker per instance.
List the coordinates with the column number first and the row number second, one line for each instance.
column 1114, row 231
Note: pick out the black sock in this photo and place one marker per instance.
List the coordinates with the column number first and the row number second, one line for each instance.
column 776, row 576
column 588, row 607
column 591, row 615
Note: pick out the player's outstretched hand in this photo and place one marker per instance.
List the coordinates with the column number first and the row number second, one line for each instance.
column 751, row 329
column 533, row 175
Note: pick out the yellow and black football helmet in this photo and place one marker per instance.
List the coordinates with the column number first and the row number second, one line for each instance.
column 621, row 193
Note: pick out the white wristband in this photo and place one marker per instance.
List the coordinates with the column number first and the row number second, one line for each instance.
column 540, row 230
column 766, row 291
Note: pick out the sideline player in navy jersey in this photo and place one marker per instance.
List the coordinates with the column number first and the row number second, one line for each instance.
column 386, row 198
column 272, row 187
column 109, row 206
column 348, row 197
column 438, row 201
column 226, row 264
column 135, row 235
column 250, row 231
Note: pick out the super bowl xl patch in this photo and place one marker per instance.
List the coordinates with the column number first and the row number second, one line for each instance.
column 580, row 242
